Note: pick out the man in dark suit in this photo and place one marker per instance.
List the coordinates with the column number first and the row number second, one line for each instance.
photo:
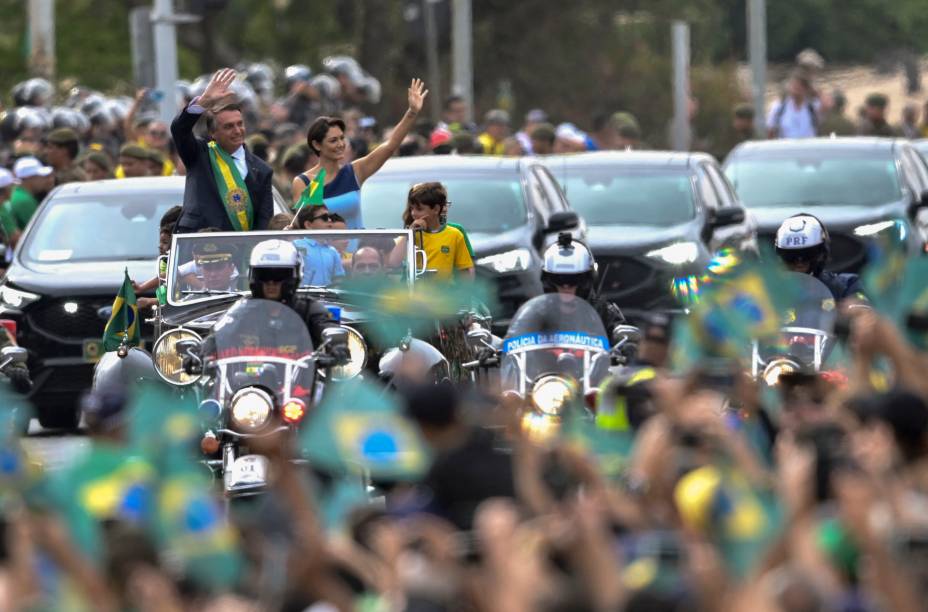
column 227, row 186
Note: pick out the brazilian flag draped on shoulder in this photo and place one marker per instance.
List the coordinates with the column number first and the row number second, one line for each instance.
column 124, row 322
column 312, row 195
column 232, row 189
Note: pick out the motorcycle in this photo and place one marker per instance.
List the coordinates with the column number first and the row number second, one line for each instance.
column 259, row 375
column 556, row 352
column 808, row 338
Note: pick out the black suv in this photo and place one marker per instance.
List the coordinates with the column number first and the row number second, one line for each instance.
column 651, row 216
column 508, row 207
column 858, row 187
column 66, row 271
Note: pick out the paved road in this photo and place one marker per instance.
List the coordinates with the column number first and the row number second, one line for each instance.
column 54, row 449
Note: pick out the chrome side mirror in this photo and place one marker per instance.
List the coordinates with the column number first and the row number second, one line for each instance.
column 15, row 354
column 625, row 334
column 335, row 335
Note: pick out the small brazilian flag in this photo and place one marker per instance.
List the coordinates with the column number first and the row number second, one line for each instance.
column 359, row 429
column 124, row 322
column 312, row 195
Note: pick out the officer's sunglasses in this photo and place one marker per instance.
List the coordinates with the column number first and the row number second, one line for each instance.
column 214, row 265
column 796, row 258
column 275, row 275
column 563, row 280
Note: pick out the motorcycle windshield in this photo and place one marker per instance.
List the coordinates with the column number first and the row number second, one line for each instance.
column 808, row 331
column 259, row 342
column 555, row 334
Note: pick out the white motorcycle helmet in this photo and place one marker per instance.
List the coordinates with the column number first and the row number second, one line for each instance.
column 568, row 263
column 803, row 237
column 275, row 260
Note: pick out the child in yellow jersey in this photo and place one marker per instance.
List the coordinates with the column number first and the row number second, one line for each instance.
column 444, row 245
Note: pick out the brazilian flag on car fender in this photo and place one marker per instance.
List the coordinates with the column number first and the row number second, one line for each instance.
column 124, row 322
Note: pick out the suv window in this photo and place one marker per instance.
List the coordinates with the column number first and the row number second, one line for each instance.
column 540, row 196
column 722, row 188
column 555, row 195
column 915, row 170
column 707, row 193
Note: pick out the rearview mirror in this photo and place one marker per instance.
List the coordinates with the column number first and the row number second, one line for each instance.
column 726, row 216
column 562, row 221
column 16, row 354
column 335, row 335
column 919, row 204
column 185, row 346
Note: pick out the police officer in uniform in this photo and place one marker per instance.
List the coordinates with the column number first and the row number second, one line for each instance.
column 803, row 244
column 569, row 267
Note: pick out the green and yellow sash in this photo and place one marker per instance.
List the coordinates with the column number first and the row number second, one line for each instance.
column 232, row 188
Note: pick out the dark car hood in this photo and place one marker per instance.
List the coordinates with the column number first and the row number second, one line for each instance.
column 637, row 238
column 62, row 279
column 835, row 218
column 489, row 244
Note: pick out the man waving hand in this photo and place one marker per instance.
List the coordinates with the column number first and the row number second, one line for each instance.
column 227, row 186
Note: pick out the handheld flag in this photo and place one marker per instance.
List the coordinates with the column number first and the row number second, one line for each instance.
column 312, row 195
column 402, row 310
column 124, row 322
column 358, row 429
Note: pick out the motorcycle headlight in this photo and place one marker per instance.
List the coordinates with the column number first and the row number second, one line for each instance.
column 358, row 360
column 16, row 298
column 251, row 409
column 169, row 363
column 777, row 368
column 550, row 394
column 677, row 254
column 508, row 261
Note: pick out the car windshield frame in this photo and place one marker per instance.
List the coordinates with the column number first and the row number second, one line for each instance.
column 183, row 243
column 815, row 157
column 573, row 172
column 452, row 177
column 154, row 200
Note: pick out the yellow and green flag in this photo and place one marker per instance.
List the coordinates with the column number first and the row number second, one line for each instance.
column 124, row 322
column 312, row 195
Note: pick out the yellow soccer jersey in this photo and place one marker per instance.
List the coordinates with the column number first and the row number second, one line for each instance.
column 447, row 251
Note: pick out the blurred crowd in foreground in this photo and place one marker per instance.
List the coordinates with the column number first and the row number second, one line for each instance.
column 693, row 486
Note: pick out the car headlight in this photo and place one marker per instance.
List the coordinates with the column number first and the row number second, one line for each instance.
column 550, row 394
column 509, row 261
column 251, row 409
column 16, row 298
column 358, row 360
column 873, row 228
column 169, row 363
column 677, row 254
column 777, row 368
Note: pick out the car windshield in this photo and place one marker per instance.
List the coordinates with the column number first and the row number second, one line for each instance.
column 125, row 227
column 629, row 196
column 209, row 265
column 824, row 179
column 481, row 203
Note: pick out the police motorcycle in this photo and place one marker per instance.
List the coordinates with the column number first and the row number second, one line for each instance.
column 556, row 352
column 807, row 338
column 258, row 363
column 207, row 273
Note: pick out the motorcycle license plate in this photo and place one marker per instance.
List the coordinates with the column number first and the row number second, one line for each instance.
column 249, row 470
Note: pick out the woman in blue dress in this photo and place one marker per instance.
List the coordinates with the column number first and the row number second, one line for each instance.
column 342, row 191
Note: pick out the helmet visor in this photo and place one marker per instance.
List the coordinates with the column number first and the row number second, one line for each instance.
column 275, row 275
